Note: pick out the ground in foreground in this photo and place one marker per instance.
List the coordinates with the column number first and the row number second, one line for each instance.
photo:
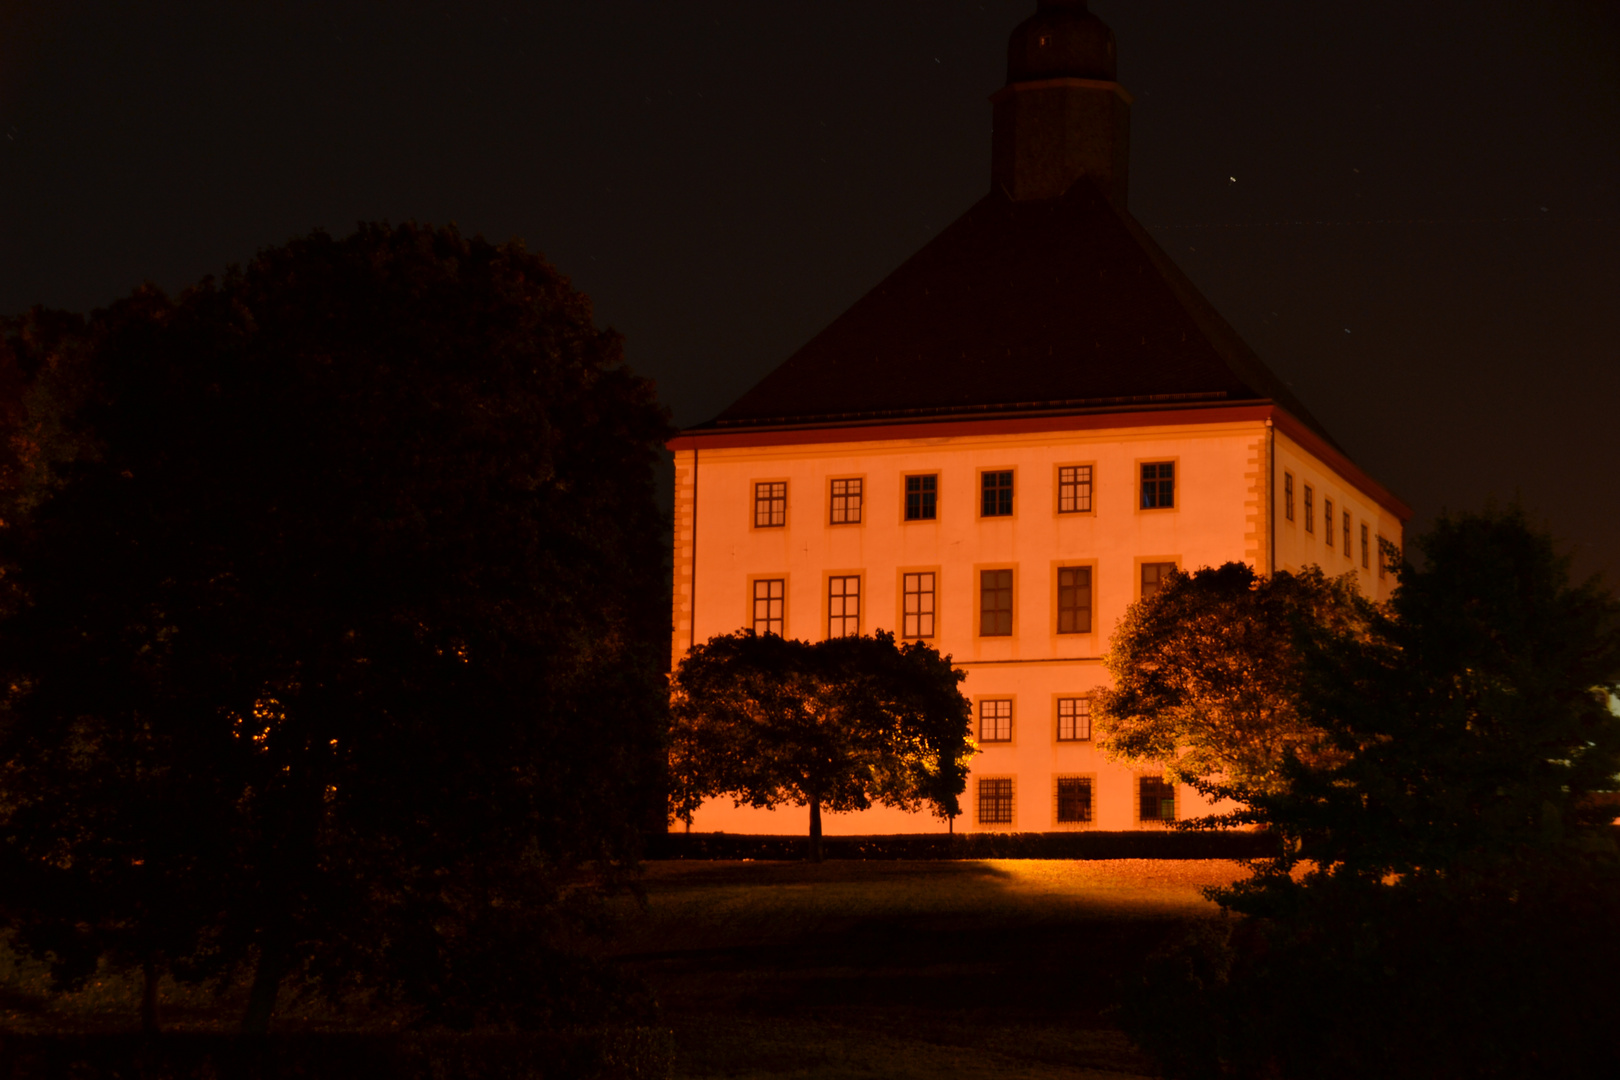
column 846, row 969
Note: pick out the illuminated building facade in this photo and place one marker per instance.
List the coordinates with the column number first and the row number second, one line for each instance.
column 1001, row 447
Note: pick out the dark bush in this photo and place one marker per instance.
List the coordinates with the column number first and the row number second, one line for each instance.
column 1025, row 845
column 601, row 1054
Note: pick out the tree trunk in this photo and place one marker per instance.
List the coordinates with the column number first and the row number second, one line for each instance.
column 149, row 996
column 266, row 984
column 815, row 830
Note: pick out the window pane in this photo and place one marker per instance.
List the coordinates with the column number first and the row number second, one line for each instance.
column 846, row 502
column 1073, row 799
column 1347, row 535
column 1310, row 512
column 1327, row 522
column 1154, row 575
column 770, row 505
column 1074, row 719
column 995, row 720
column 996, row 494
column 921, row 497
column 1288, row 496
column 1158, row 799
column 995, row 603
column 995, row 801
column 768, row 602
column 918, row 599
column 1158, row 485
column 843, row 606
column 1074, row 489
column 1074, row 600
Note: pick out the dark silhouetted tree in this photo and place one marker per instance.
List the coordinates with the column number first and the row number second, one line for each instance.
column 836, row 725
column 1445, row 901
column 345, row 650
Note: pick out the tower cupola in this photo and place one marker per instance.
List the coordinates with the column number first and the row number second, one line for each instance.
column 1062, row 114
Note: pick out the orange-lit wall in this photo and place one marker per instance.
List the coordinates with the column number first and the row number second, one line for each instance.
column 1222, row 493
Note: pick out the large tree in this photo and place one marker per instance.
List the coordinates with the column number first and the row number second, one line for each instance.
column 836, row 725
column 1207, row 673
column 345, row 647
column 1444, row 901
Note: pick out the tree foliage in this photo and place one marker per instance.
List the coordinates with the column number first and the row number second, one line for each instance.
column 1445, row 900
column 344, row 648
column 1206, row 672
column 835, row 725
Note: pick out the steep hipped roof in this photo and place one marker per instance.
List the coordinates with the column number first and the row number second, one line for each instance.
column 1061, row 304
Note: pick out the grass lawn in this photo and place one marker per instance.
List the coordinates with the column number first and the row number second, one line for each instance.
column 1000, row 968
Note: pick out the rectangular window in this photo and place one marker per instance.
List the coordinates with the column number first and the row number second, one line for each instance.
column 1366, row 559
column 1327, row 522
column 1158, row 485
column 846, row 502
column 1382, row 562
column 995, row 603
column 1074, row 489
column 1154, row 577
column 995, row 721
column 1074, row 719
column 1074, row 599
column 1157, row 798
column 770, row 505
column 1347, row 553
column 918, row 595
column 768, row 601
column 995, row 800
column 996, row 491
column 922, row 498
column 1288, row 495
column 1310, row 510
column 844, row 606
column 1073, row 800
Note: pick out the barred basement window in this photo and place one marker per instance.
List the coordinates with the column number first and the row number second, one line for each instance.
column 769, row 595
column 1074, row 489
column 1074, row 599
column 996, row 494
column 995, row 721
column 995, row 800
column 1154, row 577
column 918, row 595
column 1288, row 495
column 1310, row 511
column 1158, row 485
column 995, row 603
column 1074, row 719
column 922, row 497
column 844, row 606
column 770, row 505
column 846, row 502
column 1157, row 799
column 1073, row 800
column 1327, row 522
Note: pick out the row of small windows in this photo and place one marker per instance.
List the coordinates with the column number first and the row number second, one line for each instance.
column 921, row 503
column 1308, row 512
column 1074, row 800
column 919, row 601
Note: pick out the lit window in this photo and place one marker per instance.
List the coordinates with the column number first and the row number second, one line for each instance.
column 1158, row 485
column 1327, row 522
column 996, row 493
column 1288, row 495
column 768, row 601
column 918, row 596
column 1310, row 510
column 770, row 505
column 844, row 606
column 1155, row 575
column 995, row 800
column 1073, row 800
column 1074, row 719
column 846, row 502
column 1074, row 489
column 995, row 603
column 922, row 497
column 995, row 721
column 1157, row 799
column 1074, row 600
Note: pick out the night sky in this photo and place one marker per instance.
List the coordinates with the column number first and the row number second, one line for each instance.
column 1410, row 209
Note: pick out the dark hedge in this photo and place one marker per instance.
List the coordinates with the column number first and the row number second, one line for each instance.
column 607, row 1054
column 1144, row 844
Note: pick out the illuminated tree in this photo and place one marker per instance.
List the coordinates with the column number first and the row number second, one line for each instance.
column 836, row 725
column 1207, row 673
column 347, row 645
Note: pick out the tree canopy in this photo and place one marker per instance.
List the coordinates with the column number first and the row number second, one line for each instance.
column 1207, row 670
column 345, row 644
column 1448, row 877
column 834, row 725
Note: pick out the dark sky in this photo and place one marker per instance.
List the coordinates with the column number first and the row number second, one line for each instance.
column 1410, row 209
